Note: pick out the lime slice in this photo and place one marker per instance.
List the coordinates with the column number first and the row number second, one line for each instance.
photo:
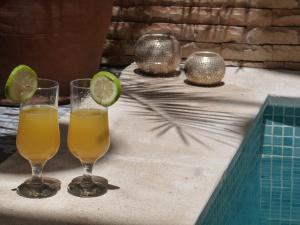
column 21, row 84
column 105, row 88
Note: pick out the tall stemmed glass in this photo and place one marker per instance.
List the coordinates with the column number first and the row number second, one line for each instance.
column 88, row 138
column 38, row 138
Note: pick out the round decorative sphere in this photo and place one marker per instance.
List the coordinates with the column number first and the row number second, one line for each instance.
column 205, row 68
column 158, row 54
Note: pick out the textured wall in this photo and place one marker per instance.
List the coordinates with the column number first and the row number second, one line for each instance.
column 254, row 33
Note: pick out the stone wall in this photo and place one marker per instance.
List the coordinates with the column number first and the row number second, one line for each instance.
column 254, row 33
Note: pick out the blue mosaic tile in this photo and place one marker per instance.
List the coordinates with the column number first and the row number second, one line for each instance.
column 297, row 111
column 267, row 140
column 267, row 150
column 277, row 140
column 297, row 152
column 277, row 150
column 268, row 119
column 297, row 121
column 288, row 141
column 297, row 131
column 278, row 131
column 289, row 111
column 297, row 142
column 278, row 110
column 289, row 120
column 288, row 131
column 270, row 194
column 278, row 120
column 296, row 162
column 287, row 151
column 269, row 110
column 269, row 130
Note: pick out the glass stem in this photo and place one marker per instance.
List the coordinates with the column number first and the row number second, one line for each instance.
column 37, row 170
column 88, row 169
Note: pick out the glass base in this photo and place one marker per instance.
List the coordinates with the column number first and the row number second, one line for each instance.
column 33, row 189
column 85, row 186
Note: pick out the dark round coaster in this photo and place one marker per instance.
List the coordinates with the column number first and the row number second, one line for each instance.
column 32, row 189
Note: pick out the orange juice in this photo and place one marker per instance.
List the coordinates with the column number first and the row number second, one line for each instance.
column 88, row 135
column 38, row 135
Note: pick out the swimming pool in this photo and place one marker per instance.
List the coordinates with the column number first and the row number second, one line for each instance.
column 262, row 184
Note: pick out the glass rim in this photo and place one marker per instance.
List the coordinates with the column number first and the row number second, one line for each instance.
column 206, row 54
column 73, row 85
column 53, row 84
column 166, row 35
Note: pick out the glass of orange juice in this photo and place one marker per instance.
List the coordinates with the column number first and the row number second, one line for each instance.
column 88, row 138
column 38, row 138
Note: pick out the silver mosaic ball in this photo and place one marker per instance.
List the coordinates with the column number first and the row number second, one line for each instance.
column 205, row 68
column 158, row 54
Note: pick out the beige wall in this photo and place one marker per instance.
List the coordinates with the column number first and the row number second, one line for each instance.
column 255, row 33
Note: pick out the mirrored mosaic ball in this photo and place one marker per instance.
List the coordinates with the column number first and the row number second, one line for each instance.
column 158, row 54
column 205, row 68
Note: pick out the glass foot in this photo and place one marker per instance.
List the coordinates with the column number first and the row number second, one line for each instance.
column 86, row 186
column 33, row 189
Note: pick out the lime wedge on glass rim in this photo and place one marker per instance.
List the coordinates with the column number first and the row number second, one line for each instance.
column 21, row 84
column 105, row 88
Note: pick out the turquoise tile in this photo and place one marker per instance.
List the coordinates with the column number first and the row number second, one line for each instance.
column 268, row 119
column 277, row 131
column 297, row 122
column 287, row 183
column 289, row 111
column 286, row 171
column 266, row 173
column 296, row 174
column 278, row 110
column 269, row 110
column 267, row 140
column 287, row 151
column 277, row 150
column 278, row 185
column 289, row 120
column 288, row 141
column 288, row 131
column 278, row 120
column 297, row 151
column 297, row 111
column 269, row 130
column 297, row 131
column 277, row 141
column 297, row 142
column 267, row 150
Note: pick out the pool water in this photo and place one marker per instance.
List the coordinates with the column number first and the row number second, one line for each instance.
column 262, row 184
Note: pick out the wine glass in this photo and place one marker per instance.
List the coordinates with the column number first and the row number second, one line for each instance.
column 38, row 138
column 88, row 138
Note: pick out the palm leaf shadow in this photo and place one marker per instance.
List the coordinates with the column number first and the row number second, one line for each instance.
column 165, row 102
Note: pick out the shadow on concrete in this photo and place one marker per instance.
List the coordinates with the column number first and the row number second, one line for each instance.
column 219, row 84
column 22, row 219
column 142, row 73
column 7, row 146
column 170, row 105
